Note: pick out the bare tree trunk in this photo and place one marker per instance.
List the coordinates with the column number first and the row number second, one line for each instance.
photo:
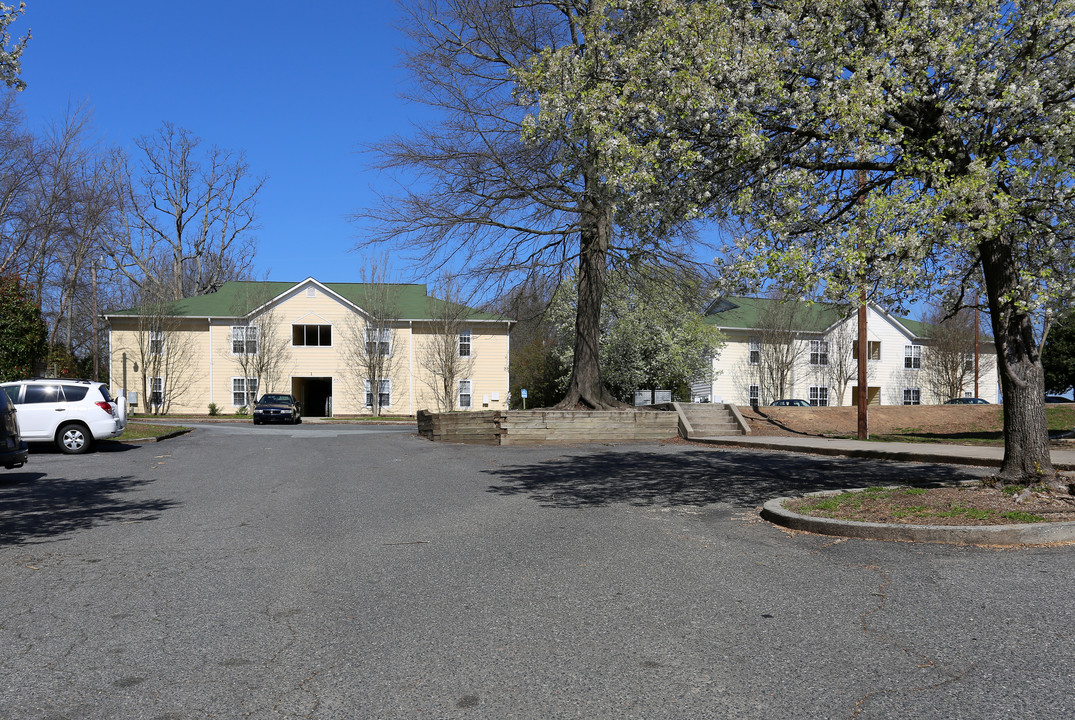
column 1026, row 431
column 586, row 386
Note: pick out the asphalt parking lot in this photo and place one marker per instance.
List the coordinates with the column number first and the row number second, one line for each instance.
column 360, row 572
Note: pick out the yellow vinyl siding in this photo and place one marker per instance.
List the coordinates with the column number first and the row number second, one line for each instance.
column 212, row 365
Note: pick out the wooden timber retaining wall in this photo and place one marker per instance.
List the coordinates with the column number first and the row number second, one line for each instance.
column 532, row 427
column 479, row 428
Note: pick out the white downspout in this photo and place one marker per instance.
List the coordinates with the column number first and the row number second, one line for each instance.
column 209, row 322
column 410, row 347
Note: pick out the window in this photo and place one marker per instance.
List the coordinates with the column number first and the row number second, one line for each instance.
column 42, row 394
column 384, row 396
column 912, row 357
column 244, row 391
column 464, row 394
column 74, row 393
column 156, row 342
column 464, row 343
column 819, row 352
column 244, row 340
column 311, row 335
column 968, row 362
column 385, row 342
column 912, row 396
column 754, row 394
column 755, row 352
column 156, row 392
column 873, row 349
column 819, row 396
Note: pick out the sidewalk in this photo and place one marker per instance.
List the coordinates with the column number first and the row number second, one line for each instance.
column 909, row 452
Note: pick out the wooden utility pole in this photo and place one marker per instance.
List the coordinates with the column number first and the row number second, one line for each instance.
column 864, row 349
column 864, row 390
column 976, row 323
column 96, row 345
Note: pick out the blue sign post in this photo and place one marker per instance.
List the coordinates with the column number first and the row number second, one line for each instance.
column 524, row 398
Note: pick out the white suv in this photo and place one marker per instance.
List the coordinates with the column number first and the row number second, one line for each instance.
column 71, row 413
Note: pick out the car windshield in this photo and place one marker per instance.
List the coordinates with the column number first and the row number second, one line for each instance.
column 275, row 398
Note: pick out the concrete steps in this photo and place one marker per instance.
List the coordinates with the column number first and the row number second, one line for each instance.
column 710, row 420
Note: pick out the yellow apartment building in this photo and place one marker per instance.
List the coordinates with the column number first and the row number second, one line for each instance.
column 248, row 338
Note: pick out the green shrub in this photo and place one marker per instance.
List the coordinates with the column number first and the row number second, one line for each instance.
column 214, row 409
column 242, row 411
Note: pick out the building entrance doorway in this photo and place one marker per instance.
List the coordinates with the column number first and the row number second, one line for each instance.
column 315, row 395
column 873, row 396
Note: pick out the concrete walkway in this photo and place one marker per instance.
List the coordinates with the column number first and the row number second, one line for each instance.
column 986, row 456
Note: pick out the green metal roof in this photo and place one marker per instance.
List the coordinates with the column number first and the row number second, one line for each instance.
column 747, row 313
column 238, row 298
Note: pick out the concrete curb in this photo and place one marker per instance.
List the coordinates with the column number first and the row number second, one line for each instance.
column 166, row 436
column 1025, row 534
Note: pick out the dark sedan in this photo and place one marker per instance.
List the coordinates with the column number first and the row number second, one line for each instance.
column 789, row 403
column 966, row 401
column 277, row 407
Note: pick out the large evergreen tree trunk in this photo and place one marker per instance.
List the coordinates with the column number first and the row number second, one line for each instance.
column 1026, row 432
column 586, row 388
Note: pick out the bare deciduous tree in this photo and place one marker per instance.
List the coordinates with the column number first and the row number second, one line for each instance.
column 163, row 353
column 370, row 338
column 443, row 355
column 188, row 214
column 843, row 360
column 258, row 346
column 948, row 354
column 782, row 349
column 489, row 201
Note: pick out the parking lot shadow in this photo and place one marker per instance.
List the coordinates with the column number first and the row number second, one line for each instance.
column 701, row 477
column 34, row 508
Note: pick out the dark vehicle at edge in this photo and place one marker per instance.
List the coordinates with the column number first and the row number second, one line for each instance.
column 966, row 401
column 277, row 407
column 789, row 403
column 13, row 449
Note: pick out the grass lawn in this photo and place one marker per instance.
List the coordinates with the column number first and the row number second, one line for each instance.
column 138, row 430
column 1060, row 418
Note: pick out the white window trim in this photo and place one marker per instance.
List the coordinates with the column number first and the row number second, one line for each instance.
column 912, row 357
column 815, row 395
column 152, row 383
column 156, row 342
column 754, row 394
column 245, row 332
column 385, row 333
column 753, row 351
column 246, row 391
column 469, row 393
column 819, row 350
column 469, row 334
column 912, row 392
column 369, row 397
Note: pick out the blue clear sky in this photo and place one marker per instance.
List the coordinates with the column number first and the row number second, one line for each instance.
column 298, row 86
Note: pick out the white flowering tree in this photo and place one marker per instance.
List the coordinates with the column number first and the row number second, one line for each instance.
column 11, row 53
column 479, row 198
column 905, row 148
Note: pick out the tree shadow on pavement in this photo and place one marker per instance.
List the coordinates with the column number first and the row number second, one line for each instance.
column 34, row 508
column 701, row 477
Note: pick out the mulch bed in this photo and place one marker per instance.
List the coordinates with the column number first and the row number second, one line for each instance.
column 962, row 505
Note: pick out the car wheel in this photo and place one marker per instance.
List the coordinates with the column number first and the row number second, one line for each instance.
column 73, row 438
column 297, row 420
column 257, row 422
